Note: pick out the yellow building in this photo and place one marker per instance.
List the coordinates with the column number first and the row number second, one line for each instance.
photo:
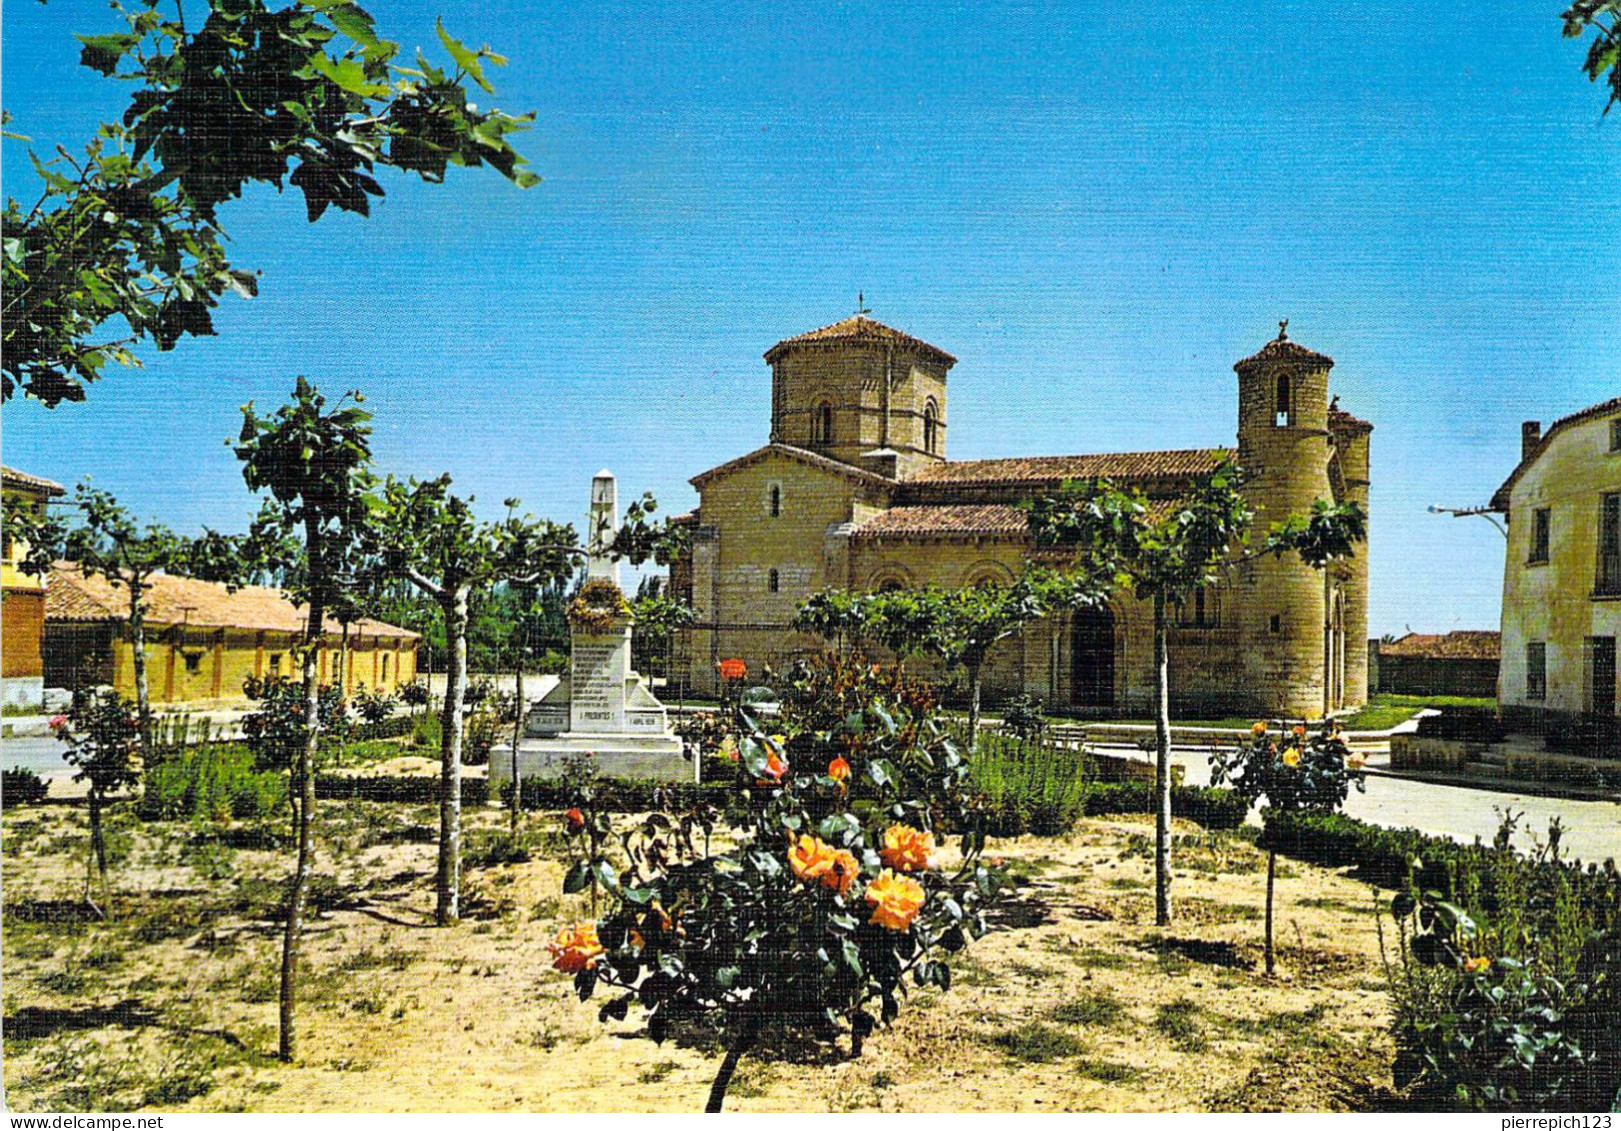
column 1562, row 577
column 854, row 491
column 203, row 641
column 22, row 599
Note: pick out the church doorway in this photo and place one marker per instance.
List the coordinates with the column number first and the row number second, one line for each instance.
column 1092, row 658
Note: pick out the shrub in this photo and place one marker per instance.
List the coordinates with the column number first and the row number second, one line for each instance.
column 622, row 795
column 483, row 729
column 415, row 790
column 214, row 782
column 415, row 695
column 1022, row 717
column 275, row 730
column 1212, row 808
column 1026, row 786
column 811, row 918
column 396, row 726
column 426, row 732
column 19, row 786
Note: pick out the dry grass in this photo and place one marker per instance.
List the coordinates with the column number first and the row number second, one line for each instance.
column 1076, row 1003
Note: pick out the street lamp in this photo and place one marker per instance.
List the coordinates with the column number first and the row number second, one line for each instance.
column 1471, row 512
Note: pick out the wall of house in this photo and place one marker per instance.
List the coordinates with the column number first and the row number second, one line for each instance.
column 1554, row 603
column 1424, row 675
column 22, row 618
column 222, row 660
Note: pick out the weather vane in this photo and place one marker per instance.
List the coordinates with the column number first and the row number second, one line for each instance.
column 861, row 304
column 1283, row 330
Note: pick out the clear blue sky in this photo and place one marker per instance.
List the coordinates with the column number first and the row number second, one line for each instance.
column 1097, row 210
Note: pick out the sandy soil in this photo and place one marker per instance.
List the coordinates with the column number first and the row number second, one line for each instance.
column 1075, row 1002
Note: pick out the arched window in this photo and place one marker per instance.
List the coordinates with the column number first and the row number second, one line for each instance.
column 931, row 428
column 1282, row 415
column 773, row 581
column 776, row 501
column 822, row 424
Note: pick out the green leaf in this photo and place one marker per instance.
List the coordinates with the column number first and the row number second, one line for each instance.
column 465, row 59
column 102, row 53
column 348, row 74
column 577, row 879
column 852, row 956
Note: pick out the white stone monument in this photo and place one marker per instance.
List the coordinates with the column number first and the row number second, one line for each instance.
column 600, row 706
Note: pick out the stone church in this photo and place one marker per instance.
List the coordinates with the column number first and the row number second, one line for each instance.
column 854, row 490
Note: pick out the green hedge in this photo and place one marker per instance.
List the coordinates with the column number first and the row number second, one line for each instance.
column 619, row 795
column 1212, row 808
column 1386, row 857
column 395, row 726
column 395, row 788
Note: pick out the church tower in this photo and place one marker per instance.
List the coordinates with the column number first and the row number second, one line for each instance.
column 862, row 393
column 1284, row 449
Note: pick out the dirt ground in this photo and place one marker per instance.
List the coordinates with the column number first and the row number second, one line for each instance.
column 1075, row 1002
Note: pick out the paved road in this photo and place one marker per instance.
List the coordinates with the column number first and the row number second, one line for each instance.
column 43, row 755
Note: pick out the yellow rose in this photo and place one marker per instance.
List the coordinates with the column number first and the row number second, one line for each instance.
column 1477, row 965
column 813, row 859
column 906, row 849
column 895, row 900
column 1258, row 729
column 1291, row 758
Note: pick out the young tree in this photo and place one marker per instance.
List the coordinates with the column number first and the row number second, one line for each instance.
column 1163, row 554
column 102, row 735
column 314, row 462
column 128, row 233
column 433, row 539
column 104, row 540
column 835, row 615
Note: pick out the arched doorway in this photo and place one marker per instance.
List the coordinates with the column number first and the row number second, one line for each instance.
column 1091, row 635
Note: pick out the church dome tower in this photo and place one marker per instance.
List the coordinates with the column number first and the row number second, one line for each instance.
column 1284, row 448
column 862, row 393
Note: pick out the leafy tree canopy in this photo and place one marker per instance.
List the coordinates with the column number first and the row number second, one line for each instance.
column 1604, row 53
column 124, row 244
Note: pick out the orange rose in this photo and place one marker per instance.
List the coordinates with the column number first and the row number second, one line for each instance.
column 895, row 900
column 814, row 859
column 733, row 669
column 1356, row 761
column 577, row 948
column 1291, row 758
column 1477, row 965
column 1258, row 729
column 1300, row 732
column 634, row 938
column 839, row 770
column 576, row 820
column 905, row 849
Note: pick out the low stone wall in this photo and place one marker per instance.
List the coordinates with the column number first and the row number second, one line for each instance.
column 1410, row 752
column 1534, row 765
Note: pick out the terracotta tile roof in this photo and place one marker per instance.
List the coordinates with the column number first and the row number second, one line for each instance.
column 964, row 519
column 1281, row 348
column 858, row 328
column 1106, row 465
column 1500, row 499
column 1466, row 644
column 71, row 596
column 799, row 455
column 951, row 518
column 1341, row 421
column 11, row 477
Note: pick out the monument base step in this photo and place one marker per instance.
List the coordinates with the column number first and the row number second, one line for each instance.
column 658, row 757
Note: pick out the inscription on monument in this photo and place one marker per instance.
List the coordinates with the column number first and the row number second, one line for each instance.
column 598, row 671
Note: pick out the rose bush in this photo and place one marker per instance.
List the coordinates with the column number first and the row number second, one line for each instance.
column 1293, row 771
column 824, row 904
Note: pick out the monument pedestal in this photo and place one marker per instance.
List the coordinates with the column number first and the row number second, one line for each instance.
column 600, row 707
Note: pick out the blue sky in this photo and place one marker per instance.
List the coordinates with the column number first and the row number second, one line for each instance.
column 1096, row 210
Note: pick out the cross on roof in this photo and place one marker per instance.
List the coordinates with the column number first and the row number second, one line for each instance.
column 861, row 304
column 1283, row 330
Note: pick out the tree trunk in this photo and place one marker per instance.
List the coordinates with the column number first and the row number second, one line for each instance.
column 734, row 1053
column 448, row 906
column 973, row 707
column 1162, row 767
column 137, row 638
column 1271, row 878
column 343, row 664
column 304, row 784
column 98, row 843
column 517, row 734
